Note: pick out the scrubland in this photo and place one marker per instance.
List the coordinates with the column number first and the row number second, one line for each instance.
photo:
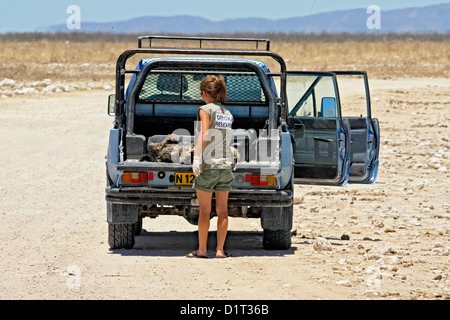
column 92, row 57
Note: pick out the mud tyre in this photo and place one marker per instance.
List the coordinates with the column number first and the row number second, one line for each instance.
column 121, row 235
column 276, row 239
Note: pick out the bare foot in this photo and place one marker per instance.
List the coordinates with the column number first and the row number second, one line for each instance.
column 194, row 254
column 222, row 254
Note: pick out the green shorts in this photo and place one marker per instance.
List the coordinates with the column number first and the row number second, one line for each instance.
column 214, row 179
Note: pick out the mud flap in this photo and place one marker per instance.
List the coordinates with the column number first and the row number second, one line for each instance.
column 122, row 213
column 278, row 218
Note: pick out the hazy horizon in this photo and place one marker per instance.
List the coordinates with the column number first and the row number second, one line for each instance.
column 31, row 16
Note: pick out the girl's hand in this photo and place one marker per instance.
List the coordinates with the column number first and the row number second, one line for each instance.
column 196, row 166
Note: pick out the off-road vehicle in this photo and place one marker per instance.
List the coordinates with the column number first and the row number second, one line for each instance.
column 287, row 129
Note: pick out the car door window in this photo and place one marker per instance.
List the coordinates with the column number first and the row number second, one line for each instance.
column 311, row 96
column 352, row 95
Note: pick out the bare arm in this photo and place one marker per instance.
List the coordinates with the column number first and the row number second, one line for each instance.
column 201, row 142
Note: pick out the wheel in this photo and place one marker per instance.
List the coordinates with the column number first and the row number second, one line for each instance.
column 277, row 225
column 121, row 235
column 277, row 239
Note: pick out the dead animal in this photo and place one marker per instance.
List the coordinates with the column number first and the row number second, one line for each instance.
column 173, row 149
column 169, row 149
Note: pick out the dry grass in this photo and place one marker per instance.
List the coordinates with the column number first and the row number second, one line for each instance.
column 60, row 60
column 380, row 59
column 93, row 58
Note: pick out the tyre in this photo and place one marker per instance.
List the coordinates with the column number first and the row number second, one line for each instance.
column 121, row 235
column 277, row 239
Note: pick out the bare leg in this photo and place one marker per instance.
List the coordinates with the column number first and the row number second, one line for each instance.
column 222, row 220
column 204, row 199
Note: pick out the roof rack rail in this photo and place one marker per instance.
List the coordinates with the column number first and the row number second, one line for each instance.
column 201, row 40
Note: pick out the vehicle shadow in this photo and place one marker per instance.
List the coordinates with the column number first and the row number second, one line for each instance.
column 180, row 243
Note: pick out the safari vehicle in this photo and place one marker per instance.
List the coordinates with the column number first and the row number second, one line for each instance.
column 287, row 128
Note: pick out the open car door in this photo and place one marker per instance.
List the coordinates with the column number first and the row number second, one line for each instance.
column 321, row 135
column 354, row 96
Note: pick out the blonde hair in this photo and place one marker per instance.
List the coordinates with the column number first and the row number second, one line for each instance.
column 215, row 87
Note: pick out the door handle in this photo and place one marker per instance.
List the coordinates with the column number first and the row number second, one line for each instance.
column 323, row 140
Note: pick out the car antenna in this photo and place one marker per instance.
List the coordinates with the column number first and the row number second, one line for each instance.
column 309, row 16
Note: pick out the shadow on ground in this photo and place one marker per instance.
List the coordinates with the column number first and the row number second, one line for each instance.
column 176, row 243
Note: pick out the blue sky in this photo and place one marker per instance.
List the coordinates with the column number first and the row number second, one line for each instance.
column 29, row 15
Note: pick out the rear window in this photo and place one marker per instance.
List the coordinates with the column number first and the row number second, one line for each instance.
column 184, row 87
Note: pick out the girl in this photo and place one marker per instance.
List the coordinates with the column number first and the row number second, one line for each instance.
column 212, row 164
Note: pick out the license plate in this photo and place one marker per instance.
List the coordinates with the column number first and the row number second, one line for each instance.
column 184, row 178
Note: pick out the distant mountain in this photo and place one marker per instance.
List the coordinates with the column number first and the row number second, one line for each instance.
column 411, row 20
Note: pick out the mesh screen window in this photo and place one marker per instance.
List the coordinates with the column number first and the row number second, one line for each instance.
column 185, row 87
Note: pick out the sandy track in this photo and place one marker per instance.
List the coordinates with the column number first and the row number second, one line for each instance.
column 55, row 235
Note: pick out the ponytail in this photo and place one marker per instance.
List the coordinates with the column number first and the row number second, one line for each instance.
column 215, row 87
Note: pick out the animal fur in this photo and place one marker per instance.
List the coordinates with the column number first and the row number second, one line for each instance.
column 170, row 149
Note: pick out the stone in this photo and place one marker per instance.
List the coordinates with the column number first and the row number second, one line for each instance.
column 7, row 83
column 377, row 223
column 407, row 264
column 373, row 257
column 64, row 88
column 371, row 293
column 298, row 199
column 49, row 89
column 438, row 277
column 314, row 209
column 393, row 260
column 25, row 90
column 322, row 244
column 386, row 250
column 43, row 83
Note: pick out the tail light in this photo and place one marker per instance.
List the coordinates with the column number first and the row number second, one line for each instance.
column 135, row 177
column 257, row 180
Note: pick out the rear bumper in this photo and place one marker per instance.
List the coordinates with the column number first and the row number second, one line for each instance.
column 175, row 197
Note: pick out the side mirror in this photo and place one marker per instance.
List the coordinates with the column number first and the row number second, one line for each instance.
column 328, row 107
column 112, row 104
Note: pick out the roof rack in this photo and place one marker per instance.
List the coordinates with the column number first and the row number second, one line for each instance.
column 201, row 40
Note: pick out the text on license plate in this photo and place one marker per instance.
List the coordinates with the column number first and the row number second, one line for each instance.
column 184, row 179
